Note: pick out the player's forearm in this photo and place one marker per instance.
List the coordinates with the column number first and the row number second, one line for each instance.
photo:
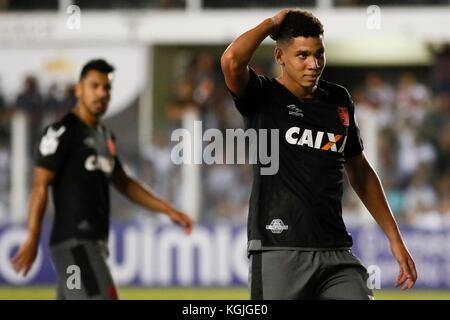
column 141, row 195
column 36, row 210
column 240, row 51
column 371, row 193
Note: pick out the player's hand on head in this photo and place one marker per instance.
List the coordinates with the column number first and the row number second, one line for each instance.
column 407, row 275
column 181, row 219
column 24, row 258
column 277, row 21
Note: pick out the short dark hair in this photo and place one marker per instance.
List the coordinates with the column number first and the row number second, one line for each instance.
column 299, row 23
column 98, row 64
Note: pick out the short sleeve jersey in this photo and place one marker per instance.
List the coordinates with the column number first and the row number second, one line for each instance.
column 83, row 160
column 300, row 205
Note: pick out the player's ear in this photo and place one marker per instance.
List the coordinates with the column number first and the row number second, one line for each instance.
column 279, row 58
column 78, row 89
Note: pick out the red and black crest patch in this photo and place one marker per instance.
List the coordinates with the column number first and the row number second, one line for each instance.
column 111, row 147
column 343, row 115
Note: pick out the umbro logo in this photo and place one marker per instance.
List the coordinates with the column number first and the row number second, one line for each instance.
column 84, row 225
column 294, row 110
column 89, row 142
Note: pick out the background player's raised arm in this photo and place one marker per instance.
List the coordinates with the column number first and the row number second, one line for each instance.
column 367, row 186
column 25, row 256
column 235, row 59
column 140, row 194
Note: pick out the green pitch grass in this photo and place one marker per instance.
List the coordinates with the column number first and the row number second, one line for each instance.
column 135, row 293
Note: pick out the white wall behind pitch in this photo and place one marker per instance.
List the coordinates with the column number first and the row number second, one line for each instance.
column 63, row 65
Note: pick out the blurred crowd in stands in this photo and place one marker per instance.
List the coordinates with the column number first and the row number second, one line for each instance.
column 412, row 117
column 40, row 108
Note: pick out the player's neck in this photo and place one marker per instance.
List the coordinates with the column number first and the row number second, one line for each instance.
column 86, row 117
column 297, row 90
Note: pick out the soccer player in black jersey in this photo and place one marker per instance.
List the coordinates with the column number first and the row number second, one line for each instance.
column 77, row 158
column 298, row 244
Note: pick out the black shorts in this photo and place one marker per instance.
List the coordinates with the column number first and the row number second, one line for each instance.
column 88, row 259
column 295, row 275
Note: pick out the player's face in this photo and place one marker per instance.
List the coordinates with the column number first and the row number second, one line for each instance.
column 302, row 59
column 94, row 92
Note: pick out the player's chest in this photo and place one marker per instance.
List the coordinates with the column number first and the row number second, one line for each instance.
column 95, row 152
column 316, row 126
column 324, row 116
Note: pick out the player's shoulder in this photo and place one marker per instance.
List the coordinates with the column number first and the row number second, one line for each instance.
column 55, row 134
column 262, row 78
column 110, row 133
column 61, row 126
column 68, row 120
column 335, row 91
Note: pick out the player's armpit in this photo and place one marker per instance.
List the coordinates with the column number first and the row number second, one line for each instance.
column 42, row 177
column 120, row 179
column 356, row 167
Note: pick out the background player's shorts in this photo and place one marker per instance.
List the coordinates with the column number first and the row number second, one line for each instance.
column 95, row 278
column 293, row 274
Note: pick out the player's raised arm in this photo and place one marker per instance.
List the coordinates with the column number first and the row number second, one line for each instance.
column 25, row 256
column 235, row 59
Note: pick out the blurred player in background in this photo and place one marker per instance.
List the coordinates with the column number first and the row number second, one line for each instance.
column 298, row 244
column 77, row 157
